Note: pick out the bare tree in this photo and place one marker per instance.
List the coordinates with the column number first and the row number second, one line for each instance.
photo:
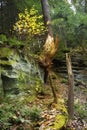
column 70, row 87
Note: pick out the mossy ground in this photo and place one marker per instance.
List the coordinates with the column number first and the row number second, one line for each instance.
column 43, row 111
column 35, row 111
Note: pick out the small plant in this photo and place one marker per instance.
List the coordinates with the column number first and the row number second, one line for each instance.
column 14, row 41
column 35, row 114
column 3, row 38
column 81, row 110
column 39, row 87
column 11, row 41
column 64, row 81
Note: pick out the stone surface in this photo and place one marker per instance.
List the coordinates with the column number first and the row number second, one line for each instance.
column 17, row 70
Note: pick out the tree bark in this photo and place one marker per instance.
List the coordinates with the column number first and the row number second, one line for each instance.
column 50, row 46
column 52, row 88
column 70, row 87
column 47, row 17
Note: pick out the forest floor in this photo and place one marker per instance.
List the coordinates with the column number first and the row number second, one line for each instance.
column 52, row 116
column 50, row 109
column 79, row 122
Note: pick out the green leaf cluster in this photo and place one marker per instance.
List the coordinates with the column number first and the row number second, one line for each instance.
column 4, row 40
column 70, row 25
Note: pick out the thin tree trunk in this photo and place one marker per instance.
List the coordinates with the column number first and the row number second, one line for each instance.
column 70, row 87
column 52, row 88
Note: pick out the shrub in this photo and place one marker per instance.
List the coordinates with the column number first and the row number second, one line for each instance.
column 81, row 110
column 14, row 41
column 3, row 38
column 17, row 114
column 29, row 24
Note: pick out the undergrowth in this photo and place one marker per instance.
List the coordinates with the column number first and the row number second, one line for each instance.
column 16, row 113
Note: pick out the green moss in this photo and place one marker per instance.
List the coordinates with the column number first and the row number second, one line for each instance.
column 4, row 62
column 3, row 38
column 60, row 121
column 5, row 52
column 8, row 56
column 61, row 118
column 7, row 62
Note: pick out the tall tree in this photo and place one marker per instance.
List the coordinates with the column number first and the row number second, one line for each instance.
column 70, row 87
column 50, row 46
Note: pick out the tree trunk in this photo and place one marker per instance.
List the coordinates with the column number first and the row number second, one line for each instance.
column 70, row 87
column 50, row 46
column 52, row 88
column 46, row 15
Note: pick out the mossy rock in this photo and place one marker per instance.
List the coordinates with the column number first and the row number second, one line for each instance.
column 8, row 56
column 61, row 118
column 60, row 121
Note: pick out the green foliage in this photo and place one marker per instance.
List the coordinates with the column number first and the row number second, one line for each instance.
column 5, row 114
column 64, row 81
column 16, row 113
column 34, row 114
column 27, row 4
column 39, row 88
column 14, row 41
column 3, row 38
column 70, row 26
column 81, row 110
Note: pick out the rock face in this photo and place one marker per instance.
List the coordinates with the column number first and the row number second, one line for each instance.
column 17, row 71
column 79, row 67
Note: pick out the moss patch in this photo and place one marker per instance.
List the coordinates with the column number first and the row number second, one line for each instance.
column 5, row 52
column 60, row 121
